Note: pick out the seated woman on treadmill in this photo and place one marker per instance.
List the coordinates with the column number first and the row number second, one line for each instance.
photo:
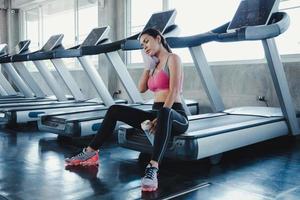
column 163, row 75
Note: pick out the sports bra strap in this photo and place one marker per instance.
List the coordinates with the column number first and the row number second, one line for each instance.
column 166, row 69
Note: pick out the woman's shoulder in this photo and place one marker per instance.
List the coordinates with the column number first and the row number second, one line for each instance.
column 173, row 56
column 174, row 59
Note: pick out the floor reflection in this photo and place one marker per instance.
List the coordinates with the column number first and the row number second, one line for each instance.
column 32, row 167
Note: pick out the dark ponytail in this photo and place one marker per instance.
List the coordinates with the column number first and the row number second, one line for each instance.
column 154, row 33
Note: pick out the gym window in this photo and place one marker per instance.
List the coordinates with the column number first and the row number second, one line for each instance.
column 78, row 17
column 289, row 42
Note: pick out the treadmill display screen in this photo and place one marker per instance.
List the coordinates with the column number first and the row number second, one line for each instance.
column 3, row 49
column 252, row 13
column 22, row 46
column 54, row 41
column 95, row 36
column 161, row 20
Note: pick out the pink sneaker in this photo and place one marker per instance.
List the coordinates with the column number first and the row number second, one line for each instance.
column 84, row 159
column 149, row 181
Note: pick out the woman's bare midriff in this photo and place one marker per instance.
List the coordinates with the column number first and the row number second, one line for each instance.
column 161, row 96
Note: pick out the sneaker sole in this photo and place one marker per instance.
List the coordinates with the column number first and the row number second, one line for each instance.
column 72, row 164
column 149, row 189
column 89, row 162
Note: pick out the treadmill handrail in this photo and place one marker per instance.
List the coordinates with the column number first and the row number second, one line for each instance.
column 184, row 41
column 103, row 48
column 279, row 23
column 35, row 55
column 196, row 40
column 133, row 43
column 191, row 41
column 89, row 50
column 22, row 57
column 44, row 55
column 7, row 58
column 92, row 50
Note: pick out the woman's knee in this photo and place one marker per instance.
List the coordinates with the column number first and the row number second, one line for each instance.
column 163, row 120
column 114, row 109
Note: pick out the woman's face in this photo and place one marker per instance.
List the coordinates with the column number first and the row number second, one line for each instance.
column 150, row 44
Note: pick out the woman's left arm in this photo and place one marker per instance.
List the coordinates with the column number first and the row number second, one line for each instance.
column 175, row 70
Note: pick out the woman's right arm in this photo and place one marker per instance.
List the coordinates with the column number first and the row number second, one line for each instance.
column 143, row 87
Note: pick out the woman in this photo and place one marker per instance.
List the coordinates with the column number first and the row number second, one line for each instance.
column 163, row 75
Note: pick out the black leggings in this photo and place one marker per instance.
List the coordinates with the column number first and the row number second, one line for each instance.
column 169, row 122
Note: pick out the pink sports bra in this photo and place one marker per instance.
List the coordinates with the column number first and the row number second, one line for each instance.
column 160, row 81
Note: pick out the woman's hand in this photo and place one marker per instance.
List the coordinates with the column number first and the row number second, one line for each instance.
column 153, row 126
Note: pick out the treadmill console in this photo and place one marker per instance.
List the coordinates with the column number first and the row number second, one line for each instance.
column 3, row 50
column 161, row 20
column 253, row 13
column 22, row 46
column 95, row 36
column 53, row 42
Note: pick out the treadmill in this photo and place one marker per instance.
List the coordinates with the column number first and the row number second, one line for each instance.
column 6, row 90
column 53, row 43
column 26, row 112
column 22, row 78
column 88, row 122
column 209, row 135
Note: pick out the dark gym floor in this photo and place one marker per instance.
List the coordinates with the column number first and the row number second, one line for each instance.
column 32, row 167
